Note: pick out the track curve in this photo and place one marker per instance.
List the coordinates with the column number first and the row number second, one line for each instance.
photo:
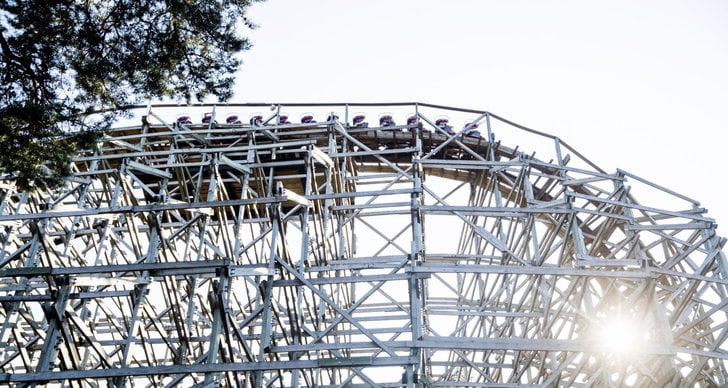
column 324, row 254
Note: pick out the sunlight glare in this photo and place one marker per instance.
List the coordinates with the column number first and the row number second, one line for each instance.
column 619, row 336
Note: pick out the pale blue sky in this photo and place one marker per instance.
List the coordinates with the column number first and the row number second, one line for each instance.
column 636, row 85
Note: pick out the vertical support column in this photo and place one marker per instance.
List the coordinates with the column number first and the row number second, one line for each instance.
column 54, row 313
column 528, row 190
column 138, row 296
column 494, row 175
column 557, row 147
column 266, row 289
column 305, row 213
column 137, row 299
column 103, row 238
column 218, row 299
column 576, row 234
column 243, row 195
column 499, row 203
column 619, row 185
column 491, row 139
column 416, row 296
column 329, row 174
column 329, row 245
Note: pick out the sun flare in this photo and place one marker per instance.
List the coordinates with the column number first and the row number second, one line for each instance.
column 620, row 335
column 617, row 336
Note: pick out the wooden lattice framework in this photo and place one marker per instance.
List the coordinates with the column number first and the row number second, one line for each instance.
column 322, row 254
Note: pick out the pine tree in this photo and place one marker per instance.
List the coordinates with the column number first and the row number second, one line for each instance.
column 60, row 60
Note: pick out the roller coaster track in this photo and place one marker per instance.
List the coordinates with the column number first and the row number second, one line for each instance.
column 280, row 254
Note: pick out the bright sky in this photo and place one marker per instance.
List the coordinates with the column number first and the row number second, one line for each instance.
column 636, row 85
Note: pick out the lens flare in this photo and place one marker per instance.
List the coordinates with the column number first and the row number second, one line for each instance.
column 619, row 336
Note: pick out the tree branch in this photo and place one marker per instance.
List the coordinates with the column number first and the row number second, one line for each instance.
column 7, row 51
